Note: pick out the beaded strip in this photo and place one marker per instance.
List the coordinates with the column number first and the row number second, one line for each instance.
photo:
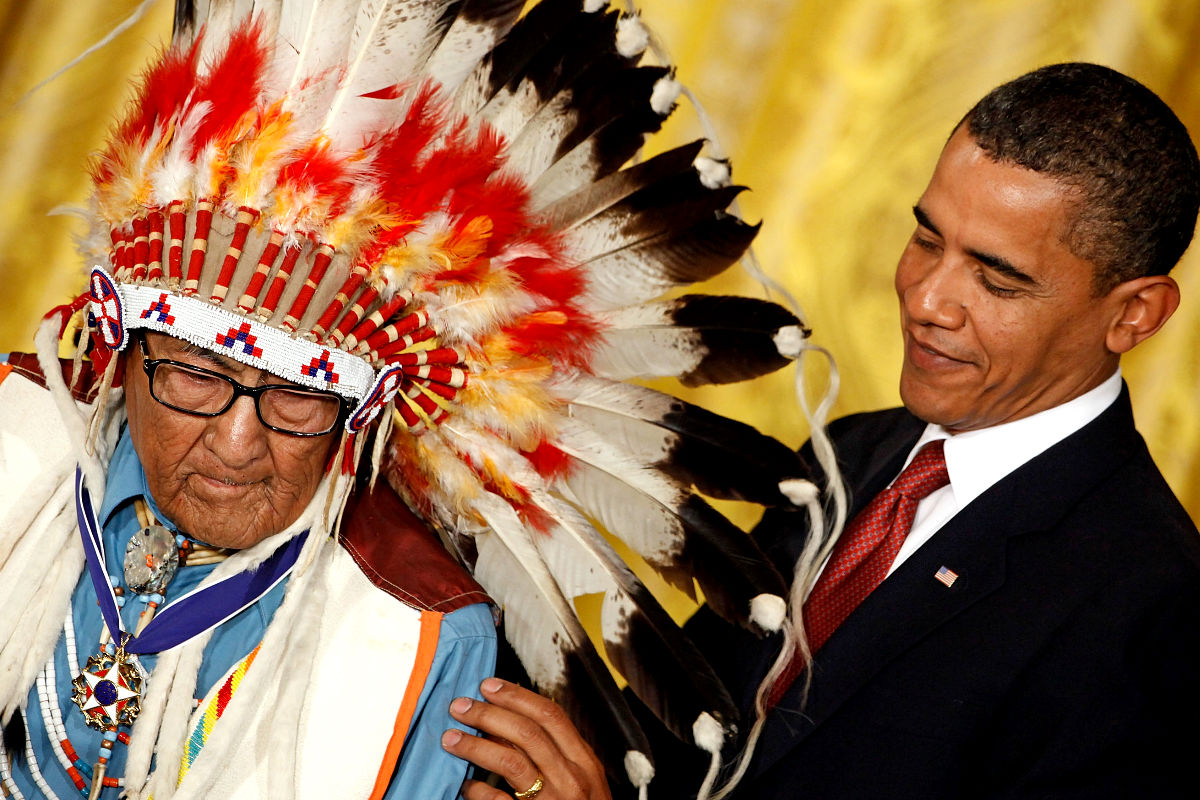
column 56, row 731
column 35, row 771
column 422, row 376
column 216, row 707
column 243, row 338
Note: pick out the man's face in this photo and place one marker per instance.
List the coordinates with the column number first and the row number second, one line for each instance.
column 999, row 318
column 225, row 480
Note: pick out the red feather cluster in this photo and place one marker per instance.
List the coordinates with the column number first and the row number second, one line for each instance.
column 232, row 86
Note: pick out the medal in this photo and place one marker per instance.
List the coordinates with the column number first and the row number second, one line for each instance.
column 108, row 690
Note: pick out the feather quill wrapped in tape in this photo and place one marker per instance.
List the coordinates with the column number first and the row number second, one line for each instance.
column 442, row 189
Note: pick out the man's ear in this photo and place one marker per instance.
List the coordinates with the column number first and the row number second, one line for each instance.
column 1143, row 305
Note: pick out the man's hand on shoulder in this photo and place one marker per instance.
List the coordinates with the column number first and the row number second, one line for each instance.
column 526, row 739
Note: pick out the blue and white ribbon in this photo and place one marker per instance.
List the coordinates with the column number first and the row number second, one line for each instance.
column 189, row 615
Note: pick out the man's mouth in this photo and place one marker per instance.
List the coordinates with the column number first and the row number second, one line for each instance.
column 224, row 481
column 928, row 356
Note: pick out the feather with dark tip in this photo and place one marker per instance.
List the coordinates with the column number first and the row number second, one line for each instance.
column 671, row 528
column 15, row 736
column 564, row 665
column 651, row 266
column 480, row 24
column 504, row 65
column 731, row 569
column 669, row 233
column 538, row 95
column 585, row 43
column 701, row 339
column 500, row 14
column 582, row 204
column 662, row 665
column 677, row 201
column 185, row 20
column 721, row 457
column 605, row 116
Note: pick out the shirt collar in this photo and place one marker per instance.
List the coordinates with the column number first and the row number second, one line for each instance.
column 126, row 481
column 977, row 460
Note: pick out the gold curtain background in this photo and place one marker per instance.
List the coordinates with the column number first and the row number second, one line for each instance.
column 833, row 112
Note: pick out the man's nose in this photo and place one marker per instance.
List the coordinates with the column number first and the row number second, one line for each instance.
column 936, row 295
column 238, row 437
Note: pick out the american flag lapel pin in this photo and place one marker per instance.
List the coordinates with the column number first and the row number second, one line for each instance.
column 946, row 576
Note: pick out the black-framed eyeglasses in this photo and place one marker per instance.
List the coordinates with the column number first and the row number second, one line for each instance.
column 289, row 409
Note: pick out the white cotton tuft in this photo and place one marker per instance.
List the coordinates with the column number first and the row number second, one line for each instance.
column 767, row 611
column 707, row 733
column 592, row 6
column 666, row 92
column 799, row 491
column 638, row 768
column 789, row 341
column 632, row 36
column 714, row 174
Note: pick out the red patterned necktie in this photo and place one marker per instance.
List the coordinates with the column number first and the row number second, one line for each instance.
column 865, row 552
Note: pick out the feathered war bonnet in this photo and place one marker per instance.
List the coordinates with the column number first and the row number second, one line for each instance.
column 428, row 207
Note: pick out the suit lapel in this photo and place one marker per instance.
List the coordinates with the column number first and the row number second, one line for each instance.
column 973, row 545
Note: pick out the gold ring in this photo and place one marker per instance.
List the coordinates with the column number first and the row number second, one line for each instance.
column 532, row 791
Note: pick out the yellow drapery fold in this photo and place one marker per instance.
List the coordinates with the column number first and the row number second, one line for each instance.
column 834, row 113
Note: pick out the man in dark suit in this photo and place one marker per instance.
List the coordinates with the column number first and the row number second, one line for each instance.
column 1035, row 630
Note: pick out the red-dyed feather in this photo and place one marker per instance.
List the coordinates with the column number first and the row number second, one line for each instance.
column 535, row 517
column 550, row 462
column 232, row 85
column 565, row 341
column 161, row 93
column 504, row 200
column 551, row 278
column 316, row 168
column 397, row 156
column 460, row 162
column 398, row 150
column 472, row 273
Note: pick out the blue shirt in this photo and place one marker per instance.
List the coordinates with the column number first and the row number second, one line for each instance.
column 465, row 655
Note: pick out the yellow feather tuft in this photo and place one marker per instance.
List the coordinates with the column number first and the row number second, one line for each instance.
column 350, row 231
column 513, row 402
column 454, row 484
column 466, row 245
column 257, row 159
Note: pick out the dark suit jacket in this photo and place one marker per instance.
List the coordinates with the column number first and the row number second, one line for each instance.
column 1064, row 662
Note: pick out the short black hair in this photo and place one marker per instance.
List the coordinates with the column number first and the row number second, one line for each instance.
column 1116, row 143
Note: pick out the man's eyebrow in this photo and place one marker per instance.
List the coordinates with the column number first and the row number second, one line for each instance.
column 1002, row 266
column 924, row 221
column 208, row 355
column 993, row 262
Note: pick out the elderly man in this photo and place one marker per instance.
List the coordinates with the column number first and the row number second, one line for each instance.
column 1018, row 615
column 216, row 458
column 365, row 281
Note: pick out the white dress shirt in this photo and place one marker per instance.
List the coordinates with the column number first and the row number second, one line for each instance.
column 977, row 460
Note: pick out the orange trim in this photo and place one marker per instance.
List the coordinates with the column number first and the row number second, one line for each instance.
column 431, row 626
column 5, row 368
